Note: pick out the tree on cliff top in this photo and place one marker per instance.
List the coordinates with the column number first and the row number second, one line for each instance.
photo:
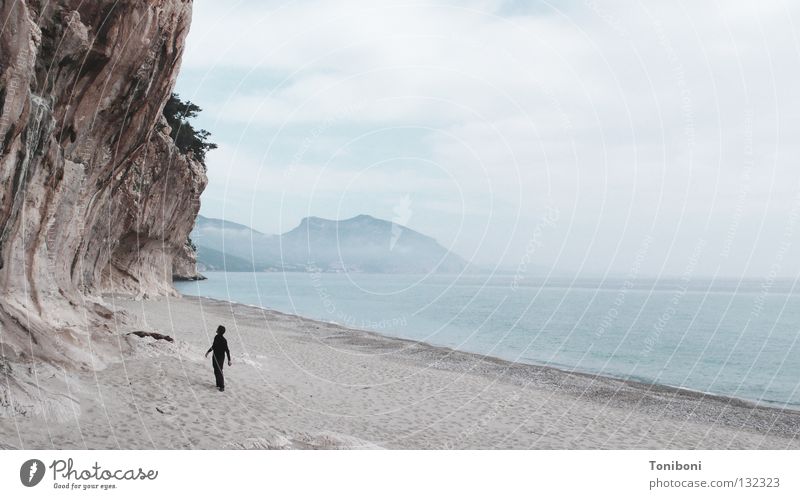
column 177, row 113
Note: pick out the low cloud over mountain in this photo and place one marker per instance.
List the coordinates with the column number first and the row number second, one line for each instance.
column 358, row 244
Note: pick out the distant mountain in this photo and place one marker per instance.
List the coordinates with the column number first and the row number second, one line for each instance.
column 358, row 244
column 226, row 245
column 211, row 259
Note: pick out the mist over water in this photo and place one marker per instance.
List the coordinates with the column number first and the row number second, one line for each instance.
column 734, row 338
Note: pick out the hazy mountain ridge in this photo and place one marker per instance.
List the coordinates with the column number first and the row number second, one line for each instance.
column 359, row 244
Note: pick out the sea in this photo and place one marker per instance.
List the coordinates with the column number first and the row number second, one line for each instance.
column 738, row 338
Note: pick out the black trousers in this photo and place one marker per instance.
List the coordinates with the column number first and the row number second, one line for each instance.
column 218, row 363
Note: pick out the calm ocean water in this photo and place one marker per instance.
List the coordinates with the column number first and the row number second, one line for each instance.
column 733, row 338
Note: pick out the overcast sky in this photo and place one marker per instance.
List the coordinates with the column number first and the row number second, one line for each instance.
column 632, row 138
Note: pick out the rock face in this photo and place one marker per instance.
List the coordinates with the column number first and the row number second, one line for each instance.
column 185, row 265
column 94, row 195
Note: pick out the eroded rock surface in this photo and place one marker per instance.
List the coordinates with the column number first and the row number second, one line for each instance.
column 94, row 195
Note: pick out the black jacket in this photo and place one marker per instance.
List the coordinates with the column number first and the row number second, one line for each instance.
column 220, row 348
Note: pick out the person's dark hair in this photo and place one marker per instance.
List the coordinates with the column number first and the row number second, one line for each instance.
column 220, row 329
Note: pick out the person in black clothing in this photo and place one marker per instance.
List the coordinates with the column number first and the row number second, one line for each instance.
column 220, row 349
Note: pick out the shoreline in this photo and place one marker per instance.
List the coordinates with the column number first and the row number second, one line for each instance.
column 524, row 374
column 298, row 383
column 564, row 370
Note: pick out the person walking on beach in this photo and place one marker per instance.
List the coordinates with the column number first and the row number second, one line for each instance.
column 220, row 349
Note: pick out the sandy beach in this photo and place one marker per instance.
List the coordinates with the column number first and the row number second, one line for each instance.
column 299, row 383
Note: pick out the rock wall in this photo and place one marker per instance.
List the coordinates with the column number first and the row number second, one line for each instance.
column 185, row 266
column 94, row 195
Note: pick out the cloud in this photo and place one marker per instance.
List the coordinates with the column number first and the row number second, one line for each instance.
column 630, row 118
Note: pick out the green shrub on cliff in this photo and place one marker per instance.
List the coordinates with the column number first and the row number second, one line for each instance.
column 178, row 113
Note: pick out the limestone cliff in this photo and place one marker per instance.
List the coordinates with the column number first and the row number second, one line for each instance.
column 94, row 195
column 185, row 264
